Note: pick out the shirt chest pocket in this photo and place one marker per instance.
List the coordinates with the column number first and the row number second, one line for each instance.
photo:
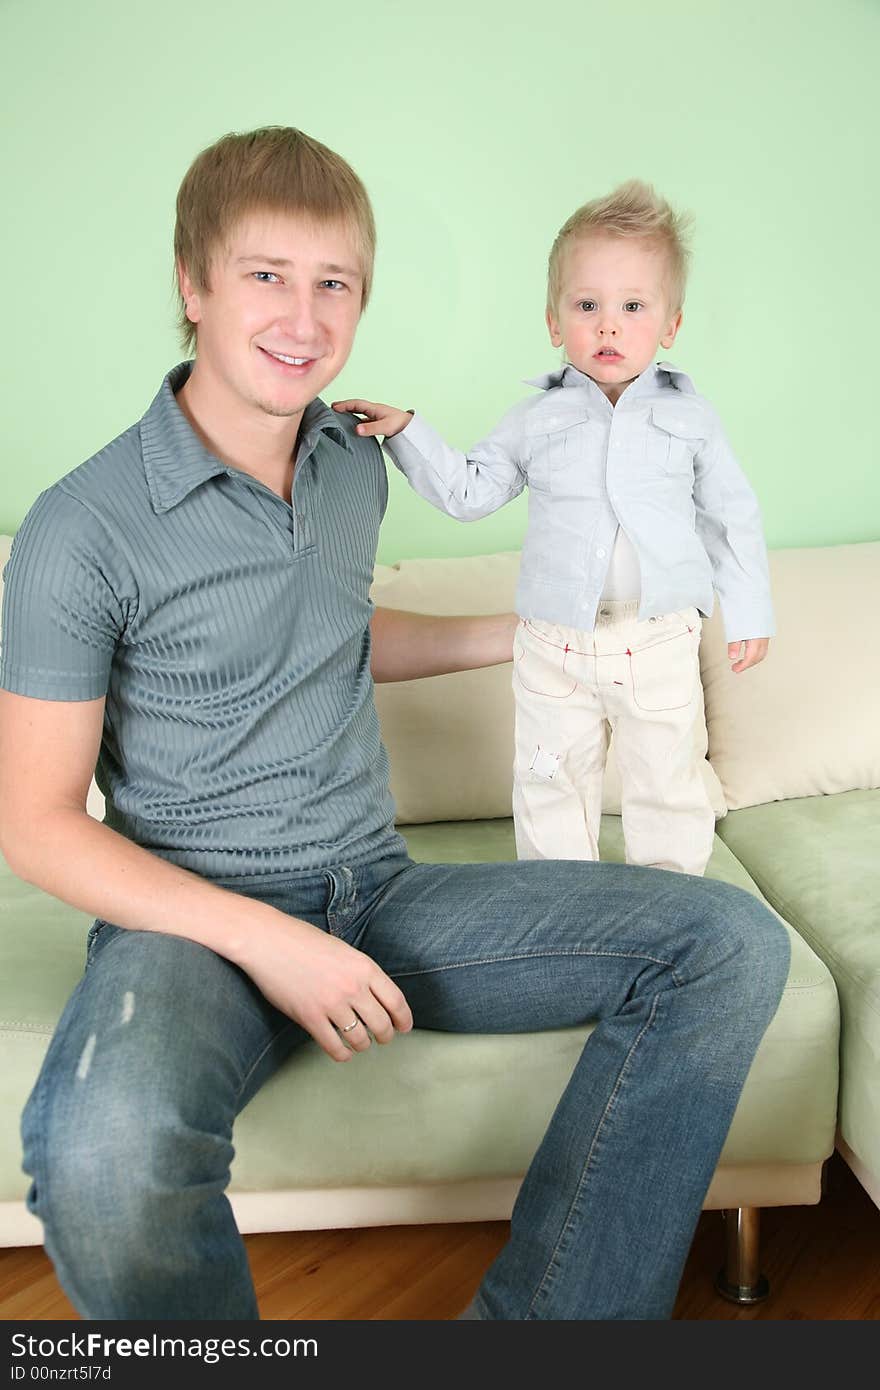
column 671, row 441
column 560, row 449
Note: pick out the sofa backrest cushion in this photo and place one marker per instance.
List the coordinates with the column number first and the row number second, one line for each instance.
column 450, row 738
column 804, row 722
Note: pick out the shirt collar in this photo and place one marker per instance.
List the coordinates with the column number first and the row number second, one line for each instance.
column 175, row 459
column 657, row 375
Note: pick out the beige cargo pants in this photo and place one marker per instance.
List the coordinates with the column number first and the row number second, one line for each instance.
column 572, row 689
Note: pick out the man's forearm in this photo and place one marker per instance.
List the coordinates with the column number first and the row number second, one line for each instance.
column 93, row 868
column 310, row 975
column 407, row 646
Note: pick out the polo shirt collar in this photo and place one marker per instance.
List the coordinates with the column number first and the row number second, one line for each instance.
column 318, row 419
column 175, row 459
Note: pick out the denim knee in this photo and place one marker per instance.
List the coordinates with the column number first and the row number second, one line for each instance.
column 742, row 932
column 125, row 1168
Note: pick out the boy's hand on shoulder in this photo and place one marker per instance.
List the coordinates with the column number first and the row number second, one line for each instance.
column 747, row 653
column 378, row 419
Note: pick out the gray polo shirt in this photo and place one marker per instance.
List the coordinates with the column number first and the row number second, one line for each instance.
column 229, row 632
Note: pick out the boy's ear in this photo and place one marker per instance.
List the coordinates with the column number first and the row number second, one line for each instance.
column 553, row 329
column 189, row 294
column 669, row 336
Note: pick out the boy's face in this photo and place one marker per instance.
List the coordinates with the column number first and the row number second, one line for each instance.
column 613, row 309
column 278, row 321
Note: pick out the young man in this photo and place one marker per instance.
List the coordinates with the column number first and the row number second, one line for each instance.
column 190, row 607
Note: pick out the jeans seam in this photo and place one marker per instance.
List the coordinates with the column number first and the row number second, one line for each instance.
column 41, row 1167
column 290, row 1023
column 542, row 955
column 552, row 1263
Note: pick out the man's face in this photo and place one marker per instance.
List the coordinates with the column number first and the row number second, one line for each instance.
column 613, row 310
column 278, row 321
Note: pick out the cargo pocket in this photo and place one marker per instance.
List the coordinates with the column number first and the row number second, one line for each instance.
column 539, row 665
column 671, row 440
column 556, row 451
column 665, row 669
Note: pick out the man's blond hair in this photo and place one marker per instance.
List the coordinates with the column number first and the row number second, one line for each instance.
column 631, row 210
column 275, row 169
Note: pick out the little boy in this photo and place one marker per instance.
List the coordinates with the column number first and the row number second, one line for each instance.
column 637, row 512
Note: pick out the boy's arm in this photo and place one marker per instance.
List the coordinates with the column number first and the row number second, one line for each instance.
column 728, row 522
column 48, row 750
column 407, row 646
column 466, row 486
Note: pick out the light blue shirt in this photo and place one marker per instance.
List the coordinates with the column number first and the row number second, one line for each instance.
column 657, row 464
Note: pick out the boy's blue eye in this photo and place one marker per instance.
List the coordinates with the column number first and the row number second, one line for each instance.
column 588, row 305
column 632, row 306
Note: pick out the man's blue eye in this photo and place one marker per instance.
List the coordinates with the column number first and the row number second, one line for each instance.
column 265, row 277
column 335, row 284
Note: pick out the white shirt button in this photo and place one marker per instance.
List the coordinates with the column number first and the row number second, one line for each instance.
column 601, row 552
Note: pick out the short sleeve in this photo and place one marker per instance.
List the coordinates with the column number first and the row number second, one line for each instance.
column 63, row 610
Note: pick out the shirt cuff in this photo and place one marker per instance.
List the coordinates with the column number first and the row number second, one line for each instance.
column 746, row 620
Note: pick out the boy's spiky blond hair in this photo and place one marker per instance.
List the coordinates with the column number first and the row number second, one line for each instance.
column 631, row 210
column 274, row 169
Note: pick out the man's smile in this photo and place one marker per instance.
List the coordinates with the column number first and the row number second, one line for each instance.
column 287, row 361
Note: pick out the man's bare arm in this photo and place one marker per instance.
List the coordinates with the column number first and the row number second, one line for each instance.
column 48, row 750
column 409, row 645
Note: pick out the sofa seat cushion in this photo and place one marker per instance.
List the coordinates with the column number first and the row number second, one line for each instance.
column 817, row 860
column 318, row 1125
column 490, row 1098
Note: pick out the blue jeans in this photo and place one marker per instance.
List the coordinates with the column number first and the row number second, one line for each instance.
column 128, row 1132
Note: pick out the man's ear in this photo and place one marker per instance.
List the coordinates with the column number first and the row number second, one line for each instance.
column 189, row 294
column 553, row 329
column 672, row 328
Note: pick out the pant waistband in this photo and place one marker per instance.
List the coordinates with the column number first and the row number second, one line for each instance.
column 616, row 611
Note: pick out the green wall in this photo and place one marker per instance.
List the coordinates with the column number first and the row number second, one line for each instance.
column 477, row 128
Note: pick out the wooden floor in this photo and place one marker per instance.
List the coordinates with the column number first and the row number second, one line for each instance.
column 822, row 1262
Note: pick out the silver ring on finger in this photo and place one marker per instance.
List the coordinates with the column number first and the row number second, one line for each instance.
column 348, row 1027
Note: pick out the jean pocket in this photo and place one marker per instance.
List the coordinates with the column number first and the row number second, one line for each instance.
column 98, row 933
column 665, row 667
column 539, row 665
column 342, row 907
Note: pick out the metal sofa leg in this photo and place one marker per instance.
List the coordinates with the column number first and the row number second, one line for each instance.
column 741, row 1281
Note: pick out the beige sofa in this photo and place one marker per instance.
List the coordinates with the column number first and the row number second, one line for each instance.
column 323, row 1147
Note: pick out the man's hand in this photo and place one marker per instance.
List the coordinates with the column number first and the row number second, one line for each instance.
column 755, row 651
column 380, row 419
column 324, row 985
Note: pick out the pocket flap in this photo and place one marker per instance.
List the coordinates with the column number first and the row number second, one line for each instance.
column 550, row 421
column 678, row 420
